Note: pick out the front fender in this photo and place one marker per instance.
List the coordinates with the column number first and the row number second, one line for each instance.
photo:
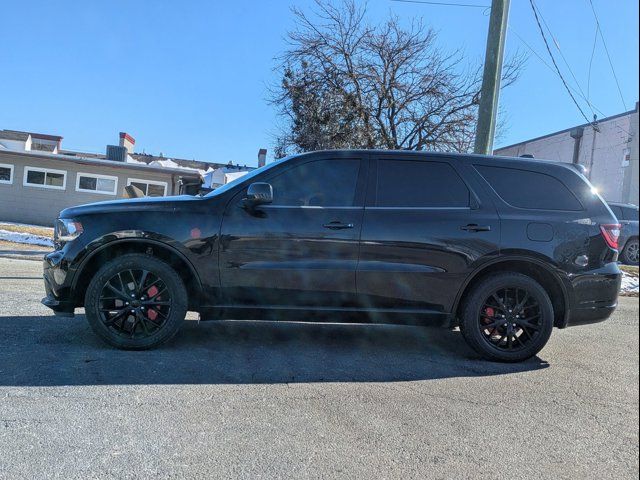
column 98, row 245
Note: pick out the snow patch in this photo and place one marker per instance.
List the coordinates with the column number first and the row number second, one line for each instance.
column 28, row 238
column 629, row 284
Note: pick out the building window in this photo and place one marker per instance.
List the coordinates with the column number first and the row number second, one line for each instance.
column 6, row 173
column 45, row 178
column 149, row 187
column 93, row 183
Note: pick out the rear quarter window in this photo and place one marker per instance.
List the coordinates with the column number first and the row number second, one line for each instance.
column 528, row 189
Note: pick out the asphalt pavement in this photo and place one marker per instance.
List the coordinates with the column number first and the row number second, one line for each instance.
column 292, row 400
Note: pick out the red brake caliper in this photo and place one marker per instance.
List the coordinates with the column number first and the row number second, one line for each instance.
column 489, row 313
column 151, row 313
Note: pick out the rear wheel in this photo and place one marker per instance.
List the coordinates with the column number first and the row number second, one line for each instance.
column 135, row 302
column 507, row 317
column 630, row 252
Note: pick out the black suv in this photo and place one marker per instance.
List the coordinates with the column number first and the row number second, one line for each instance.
column 503, row 248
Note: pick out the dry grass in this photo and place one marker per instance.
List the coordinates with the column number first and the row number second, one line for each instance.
column 32, row 229
column 630, row 269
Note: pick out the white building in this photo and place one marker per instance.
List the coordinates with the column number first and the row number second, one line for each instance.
column 221, row 176
column 608, row 149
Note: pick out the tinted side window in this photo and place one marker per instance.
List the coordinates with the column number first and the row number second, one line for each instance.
column 630, row 213
column 419, row 184
column 617, row 211
column 321, row 183
column 527, row 189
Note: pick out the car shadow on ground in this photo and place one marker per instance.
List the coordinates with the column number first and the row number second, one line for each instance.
column 51, row 351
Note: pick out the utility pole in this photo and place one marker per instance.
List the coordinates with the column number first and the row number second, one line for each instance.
column 487, row 112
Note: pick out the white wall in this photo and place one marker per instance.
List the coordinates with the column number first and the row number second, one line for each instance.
column 16, row 145
column 601, row 153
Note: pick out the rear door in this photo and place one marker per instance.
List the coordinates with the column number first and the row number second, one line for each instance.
column 424, row 229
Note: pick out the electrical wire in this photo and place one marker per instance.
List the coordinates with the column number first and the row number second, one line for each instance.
column 553, row 70
column 566, row 86
column 613, row 70
column 564, row 59
column 593, row 51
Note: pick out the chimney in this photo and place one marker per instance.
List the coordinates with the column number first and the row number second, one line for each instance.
column 262, row 157
column 127, row 141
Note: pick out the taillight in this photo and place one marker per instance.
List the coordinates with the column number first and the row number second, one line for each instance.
column 611, row 233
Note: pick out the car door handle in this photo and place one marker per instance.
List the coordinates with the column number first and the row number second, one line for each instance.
column 472, row 227
column 337, row 225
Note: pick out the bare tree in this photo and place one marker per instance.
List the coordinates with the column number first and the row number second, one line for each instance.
column 348, row 84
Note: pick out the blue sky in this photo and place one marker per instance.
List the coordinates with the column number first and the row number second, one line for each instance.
column 190, row 79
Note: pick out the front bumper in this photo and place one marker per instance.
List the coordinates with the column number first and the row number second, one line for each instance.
column 57, row 285
column 60, row 309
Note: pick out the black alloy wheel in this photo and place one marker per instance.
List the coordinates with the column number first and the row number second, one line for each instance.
column 507, row 317
column 136, row 302
column 510, row 319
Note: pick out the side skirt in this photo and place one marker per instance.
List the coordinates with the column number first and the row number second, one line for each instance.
column 419, row 317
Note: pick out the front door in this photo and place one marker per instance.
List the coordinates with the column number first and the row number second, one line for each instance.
column 424, row 229
column 302, row 249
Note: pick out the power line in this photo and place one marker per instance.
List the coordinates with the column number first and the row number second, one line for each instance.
column 595, row 15
column 553, row 70
column 593, row 51
column 544, row 37
column 444, row 4
column 564, row 59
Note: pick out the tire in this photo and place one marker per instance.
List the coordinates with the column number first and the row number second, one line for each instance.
column 629, row 253
column 507, row 339
column 151, row 317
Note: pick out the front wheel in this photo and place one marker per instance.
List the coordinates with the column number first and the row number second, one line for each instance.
column 507, row 317
column 135, row 302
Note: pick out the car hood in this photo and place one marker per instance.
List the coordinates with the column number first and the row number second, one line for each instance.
column 130, row 205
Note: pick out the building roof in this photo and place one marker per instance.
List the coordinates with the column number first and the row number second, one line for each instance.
column 567, row 130
column 40, row 136
column 102, row 162
column 14, row 135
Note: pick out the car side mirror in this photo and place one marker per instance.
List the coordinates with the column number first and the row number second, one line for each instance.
column 258, row 193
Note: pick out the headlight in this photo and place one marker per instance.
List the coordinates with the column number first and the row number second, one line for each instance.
column 67, row 230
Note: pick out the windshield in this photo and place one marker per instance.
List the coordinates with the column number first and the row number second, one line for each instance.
column 244, row 178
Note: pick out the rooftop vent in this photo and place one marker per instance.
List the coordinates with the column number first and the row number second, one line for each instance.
column 116, row 153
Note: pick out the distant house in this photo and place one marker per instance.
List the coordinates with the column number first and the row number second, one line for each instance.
column 222, row 175
column 38, row 178
column 608, row 149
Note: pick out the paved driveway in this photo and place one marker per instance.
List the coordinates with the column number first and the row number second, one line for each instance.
column 251, row 399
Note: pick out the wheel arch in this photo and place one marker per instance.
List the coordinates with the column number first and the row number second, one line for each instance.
column 534, row 268
column 158, row 249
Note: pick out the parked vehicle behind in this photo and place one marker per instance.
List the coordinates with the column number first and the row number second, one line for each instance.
column 628, row 243
column 504, row 248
